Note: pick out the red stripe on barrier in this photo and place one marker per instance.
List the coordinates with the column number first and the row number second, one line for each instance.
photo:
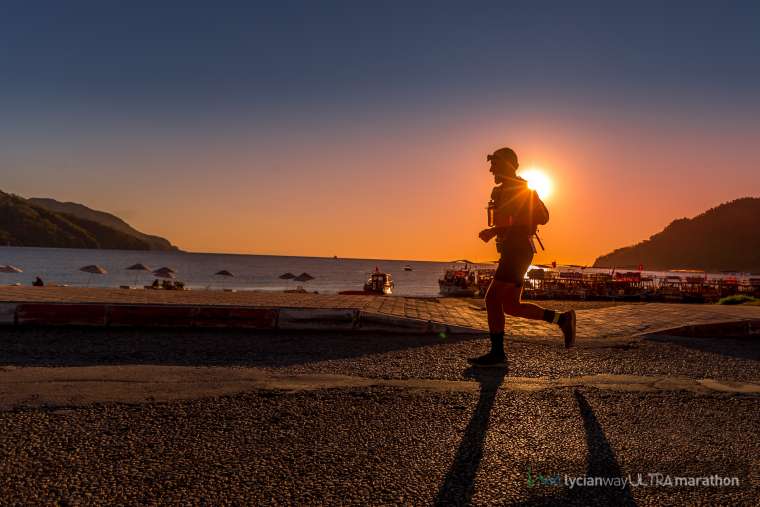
column 150, row 316
column 61, row 314
column 258, row 318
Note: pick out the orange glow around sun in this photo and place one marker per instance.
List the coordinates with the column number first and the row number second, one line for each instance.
column 538, row 180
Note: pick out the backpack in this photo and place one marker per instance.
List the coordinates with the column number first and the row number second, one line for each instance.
column 515, row 203
column 539, row 212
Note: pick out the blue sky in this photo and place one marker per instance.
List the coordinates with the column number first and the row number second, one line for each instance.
column 104, row 95
column 253, row 55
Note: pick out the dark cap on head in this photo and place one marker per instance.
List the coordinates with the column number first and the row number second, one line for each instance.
column 507, row 155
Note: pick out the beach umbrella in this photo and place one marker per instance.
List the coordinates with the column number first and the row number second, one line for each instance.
column 287, row 276
column 462, row 260
column 164, row 274
column 7, row 268
column 225, row 274
column 93, row 269
column 137, row 268
column 303, row 277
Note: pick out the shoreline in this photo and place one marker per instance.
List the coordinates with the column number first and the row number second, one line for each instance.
column 570, row 302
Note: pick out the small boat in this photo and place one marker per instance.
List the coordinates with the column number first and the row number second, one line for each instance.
column 465, row 281
column 408, row 268
column 379, row 283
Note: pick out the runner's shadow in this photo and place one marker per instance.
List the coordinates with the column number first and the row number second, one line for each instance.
column 459, row 484
column 601, row 462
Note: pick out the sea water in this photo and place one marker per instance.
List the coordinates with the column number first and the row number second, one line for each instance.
column 197, row 270
column 251, row 272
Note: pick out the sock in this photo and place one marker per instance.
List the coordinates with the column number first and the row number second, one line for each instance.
column 497, row 343
column 552, row 316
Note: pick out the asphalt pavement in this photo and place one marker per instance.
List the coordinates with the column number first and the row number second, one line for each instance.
column 134, row 417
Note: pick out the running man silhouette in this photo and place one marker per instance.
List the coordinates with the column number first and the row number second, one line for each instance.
column 514, row 214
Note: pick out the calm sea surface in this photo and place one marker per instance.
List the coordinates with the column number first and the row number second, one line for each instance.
column 251, row 272
column 259, row 272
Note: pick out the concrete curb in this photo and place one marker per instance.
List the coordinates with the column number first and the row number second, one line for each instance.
column 390, row 323
column 317, row 319
column 78, row 386
column 61, row 314
column 726, row 329
column 234, row 317
column 8, row 313
column 273, row 318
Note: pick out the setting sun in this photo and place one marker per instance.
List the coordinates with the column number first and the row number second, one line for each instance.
column 538, row 181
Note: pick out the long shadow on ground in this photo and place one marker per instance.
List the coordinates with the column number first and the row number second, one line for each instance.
column 459, row 485
column 601, row 458
column 82, row 346
column 601, row 462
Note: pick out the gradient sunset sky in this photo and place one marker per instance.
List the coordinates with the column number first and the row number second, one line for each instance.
column 360, row 129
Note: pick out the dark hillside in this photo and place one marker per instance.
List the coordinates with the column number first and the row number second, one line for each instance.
column 724, row 238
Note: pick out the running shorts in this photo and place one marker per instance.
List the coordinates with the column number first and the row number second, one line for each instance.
column 516, row 256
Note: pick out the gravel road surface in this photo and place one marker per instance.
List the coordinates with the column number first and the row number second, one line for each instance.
column 379, row 444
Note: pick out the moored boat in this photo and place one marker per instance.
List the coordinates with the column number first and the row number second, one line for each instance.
column 379, row 283
column 464, row 280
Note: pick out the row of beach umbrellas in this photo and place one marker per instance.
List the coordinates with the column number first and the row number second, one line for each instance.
column 163, row 272
column 303, row 277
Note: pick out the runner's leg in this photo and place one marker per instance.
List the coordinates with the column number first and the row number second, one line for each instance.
column 513, row 269
column 494, row 307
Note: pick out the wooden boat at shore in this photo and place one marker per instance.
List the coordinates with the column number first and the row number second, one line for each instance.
column 378, row 283
column 753, row 287
column 465, row 281
column 458, row 281
column 693, row 287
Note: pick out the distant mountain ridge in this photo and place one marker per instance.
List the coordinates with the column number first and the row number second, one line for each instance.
column 101, row 217
column 724, row 238
column 49, row 223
